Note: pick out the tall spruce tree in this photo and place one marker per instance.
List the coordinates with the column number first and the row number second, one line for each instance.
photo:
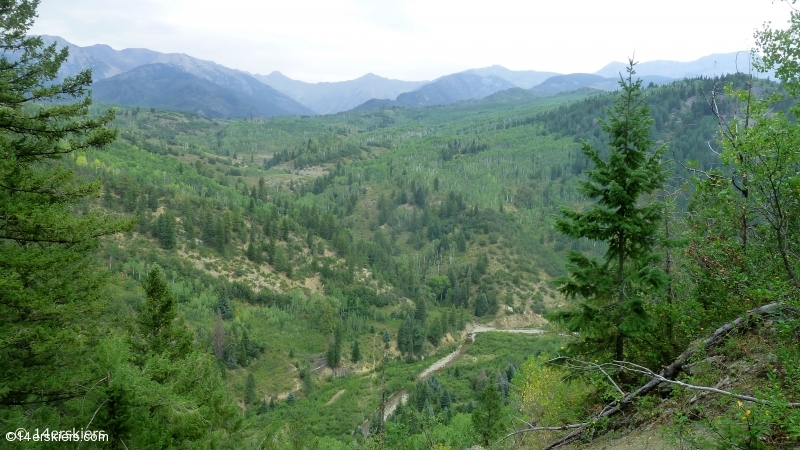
column 487, row 418
column 160, row 329
column 50, row 293
column 612, row 291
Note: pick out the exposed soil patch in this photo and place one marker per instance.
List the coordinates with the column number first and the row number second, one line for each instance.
column 335, row 396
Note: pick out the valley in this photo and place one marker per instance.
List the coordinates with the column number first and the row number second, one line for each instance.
column 192, row 257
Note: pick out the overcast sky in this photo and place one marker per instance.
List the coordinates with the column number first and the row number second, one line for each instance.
column 332, row 40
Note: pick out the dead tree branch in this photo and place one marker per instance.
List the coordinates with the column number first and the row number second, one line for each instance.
column 668, row 373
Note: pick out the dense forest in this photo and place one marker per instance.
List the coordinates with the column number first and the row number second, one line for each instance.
column 178, row 281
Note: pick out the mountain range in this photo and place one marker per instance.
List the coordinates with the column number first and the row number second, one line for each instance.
column 708, row 66
column 330, row 98
column 143, row 77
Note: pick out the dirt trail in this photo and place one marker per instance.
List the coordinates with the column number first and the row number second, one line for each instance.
column 443, row 363
column 335, row 396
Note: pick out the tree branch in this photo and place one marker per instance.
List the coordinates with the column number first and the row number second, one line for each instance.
column 669, row 372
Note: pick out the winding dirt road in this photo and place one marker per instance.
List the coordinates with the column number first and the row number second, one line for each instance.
column 443, row 363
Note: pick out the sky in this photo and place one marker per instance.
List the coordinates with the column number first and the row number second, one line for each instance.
column 334, row 40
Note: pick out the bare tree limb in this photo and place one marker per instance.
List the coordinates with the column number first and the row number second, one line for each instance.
column 668, row 373
column 531, row 428
column 591, row 364
column 644, row 370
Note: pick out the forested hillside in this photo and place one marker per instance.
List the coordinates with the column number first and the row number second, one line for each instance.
column 182, row 281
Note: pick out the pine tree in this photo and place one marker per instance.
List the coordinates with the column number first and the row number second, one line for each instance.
column 420, row 311
column 487, row 417
column 250, row 397
column 224, row 305
column 481, row 306
column 611, row 291
column 218, row 337
column 387, row 337
column 405, row 336
column 50, row 292
column 355, row 352
column 160, row 329
column 231, row 360
column 445, row 400
column 333, row 356
column 166, row 230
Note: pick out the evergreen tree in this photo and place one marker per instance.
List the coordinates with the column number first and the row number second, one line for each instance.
column 160, row 329
column 224, row 305
column 355, row 352
column 231, row 359
column 611, row 291
column 166, row 230
column 420, row 311
column 290, row 399
column 253, row 251
column 334, row 354
column 481, row 265
column 481, row 306
column 271, row 249
column 417, row 338
column 491, row 303
column 387, row 337
column 250, row 397
column 218, row 337
column 405, row 336
column 434, row 332
column 445, row 401
column 487, row 417
column 50, row 293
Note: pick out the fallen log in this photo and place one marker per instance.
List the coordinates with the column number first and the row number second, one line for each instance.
column 669, row 372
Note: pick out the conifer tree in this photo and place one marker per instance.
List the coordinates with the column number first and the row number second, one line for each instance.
column 49, row 289
column 481, row 306
column 355, row 352
column 166, row 230
column 224, row 305
column 487, row 417
column 160, row 329
column 445, row 400
column 333, row 356
column 250, row 390
column 387, row 337
column 611, row 291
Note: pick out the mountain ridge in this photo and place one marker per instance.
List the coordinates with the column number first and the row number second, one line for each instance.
column 289, row 96
column 337, row 96
column 167, row 86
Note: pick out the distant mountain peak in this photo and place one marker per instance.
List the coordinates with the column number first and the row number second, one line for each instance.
column 710, row 65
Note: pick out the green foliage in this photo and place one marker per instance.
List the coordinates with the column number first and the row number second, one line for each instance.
column 488, row 417
column 449, row 208
column 333, row 356
column 547, row 396
column 481, row 306
column 250, row 390
column 613, row 291
column 355, row 353
column 165, row 226
column 224, row 306
column 160, row 330
column 50, row 293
